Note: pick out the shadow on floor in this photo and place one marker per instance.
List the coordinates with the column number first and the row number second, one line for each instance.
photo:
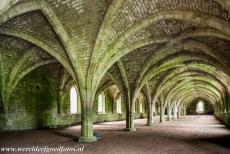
column 108, row 130
column 58, row 133
column 74, row 138
column 223, row 141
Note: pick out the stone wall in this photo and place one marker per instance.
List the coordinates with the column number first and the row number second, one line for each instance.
column 224, row 118
column 34, row 105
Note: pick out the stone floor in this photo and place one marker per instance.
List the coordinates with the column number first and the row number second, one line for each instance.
column 187, row 135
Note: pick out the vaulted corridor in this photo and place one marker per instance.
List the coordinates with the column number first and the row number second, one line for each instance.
column 68, row 66
column 189, row 134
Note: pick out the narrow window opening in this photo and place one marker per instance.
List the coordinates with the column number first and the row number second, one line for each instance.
column 73, row 100
column 200, row 107
column 101, row 103
column 141, row 107
column 119, row 105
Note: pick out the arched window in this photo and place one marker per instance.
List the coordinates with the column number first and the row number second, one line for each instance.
column 73, row 100
column 141, row 107
column 200, row 107
column 101, row 103
column 119, row 105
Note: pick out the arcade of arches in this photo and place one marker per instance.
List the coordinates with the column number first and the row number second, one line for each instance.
column 68, row 62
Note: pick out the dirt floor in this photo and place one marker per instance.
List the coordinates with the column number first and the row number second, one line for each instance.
column 187, row 135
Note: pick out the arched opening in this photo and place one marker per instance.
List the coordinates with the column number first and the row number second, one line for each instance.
column 101, row 103
column 200, row 107
column 119, row 105
column 73, row 100
column 141, row 107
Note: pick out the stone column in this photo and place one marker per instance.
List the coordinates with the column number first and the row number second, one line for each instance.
column 162, row 113
column 185, row 111
column 169, row 112
column 2, row 121
column 129, row 116
column 87, row 127
column 150, row 114
column 87, row 118
column 182, row 112
column 179, row 112
column 174, row 112
column 130, row 122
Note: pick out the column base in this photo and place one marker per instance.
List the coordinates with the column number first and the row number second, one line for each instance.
column 90, row 139
column 130, row 129
column 150, row 125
